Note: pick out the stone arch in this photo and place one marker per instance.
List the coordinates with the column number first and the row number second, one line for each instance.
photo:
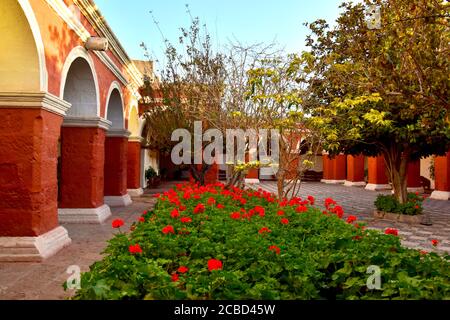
column 22, row 55
column 79, row 84
column 114, row 107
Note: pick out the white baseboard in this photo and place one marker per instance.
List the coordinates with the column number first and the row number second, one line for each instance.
column 378, row 187
column 440, row 195
column 84, row 215
column 118, row 201
column 135, row 192
column 33, row 249
column 354, row 183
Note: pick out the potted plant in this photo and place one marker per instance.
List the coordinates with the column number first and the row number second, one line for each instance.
column 153, row 179
column 388, row 207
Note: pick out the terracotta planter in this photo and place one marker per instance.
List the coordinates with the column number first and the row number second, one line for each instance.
column 417, row 219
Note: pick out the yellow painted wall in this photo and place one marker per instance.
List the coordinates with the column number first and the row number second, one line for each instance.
column 19, row 62
column 133, row 122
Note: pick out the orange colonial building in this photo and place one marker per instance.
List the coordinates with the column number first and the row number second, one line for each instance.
column 70, row 136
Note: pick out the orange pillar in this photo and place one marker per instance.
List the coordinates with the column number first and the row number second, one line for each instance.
column 29, row 229
column 355, row 171
column 442, row 178
column 334, row 169
column 377, row 174
column 134, row 167
column 413, row 177
column 326, row 164
column 115, row 172
column 82, row 171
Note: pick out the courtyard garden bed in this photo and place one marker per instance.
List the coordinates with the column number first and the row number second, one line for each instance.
column 388, row 208
column 212, row 243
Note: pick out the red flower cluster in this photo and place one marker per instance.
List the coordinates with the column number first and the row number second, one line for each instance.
column 311, row 200
column 168, row 229
column 214, row 264
column 301, row 208
column 200, row 208
column 235, row 215
column 275, row 249
column 183, row 269
column 186, row 219
column 351, row 219
column 175, row 277
column 284, row 221
column 391, row 231
column 175, row 214
column 280, row 212
column 117, row 223
column 141, row 219
column 434, row 242
column 135, row 249
column 264, row 230
column 220, row 206
column 211, row 201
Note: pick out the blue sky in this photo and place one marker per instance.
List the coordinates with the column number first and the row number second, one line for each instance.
column 249, row 21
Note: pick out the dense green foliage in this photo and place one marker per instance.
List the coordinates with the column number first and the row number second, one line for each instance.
column 247, row 245
column 389, row 203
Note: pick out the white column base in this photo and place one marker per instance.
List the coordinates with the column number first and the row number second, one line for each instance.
column 33, row 249
column 440, row 195
column 89, row 215
column 332, row 181
column 118, row 201
column 251, row 181
column 135, row 192
column 414, row 190
column 354, row 183
column 378, row 187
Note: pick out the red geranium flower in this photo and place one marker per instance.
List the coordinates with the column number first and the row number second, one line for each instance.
column 351, row 219
column 175, row 277
column 434, row 242
column 280, row 212
column 186, row 219
column 311, row 200
column 329, row 202
column 135, row 249
column 175, row 213
column 416, row 206
column 181, row 208
column 220, row 206
column 337, row 210
column 183, row 269
column 117, row 223
column 264, row 230
column 284, row 221
column 392, row 231
column 301, row 208
column 211, row 201
column 199, row 208
column 235, row 215
column 275, row 248
column 168, row 229
column 141, row 219
column 260, row 210
column 214, row 264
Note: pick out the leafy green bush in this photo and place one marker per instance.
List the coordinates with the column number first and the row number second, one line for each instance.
column 388, row 203
column 150, row 173
column 212, row 243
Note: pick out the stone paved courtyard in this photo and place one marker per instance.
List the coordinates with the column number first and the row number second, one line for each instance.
column 44, row 280
column 359, row 202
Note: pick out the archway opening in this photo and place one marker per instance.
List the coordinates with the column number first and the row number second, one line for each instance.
column 80, row 91
column 115, row 110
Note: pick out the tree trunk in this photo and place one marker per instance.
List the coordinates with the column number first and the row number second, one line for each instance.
column 396, row 164
column 199, row 175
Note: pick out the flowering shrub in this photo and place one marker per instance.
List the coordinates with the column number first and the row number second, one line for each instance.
column 256, row 247
column 388, row 203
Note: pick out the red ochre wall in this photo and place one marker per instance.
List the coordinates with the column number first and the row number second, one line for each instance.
column 28, row 160
column 116, row 166
column 134, row 165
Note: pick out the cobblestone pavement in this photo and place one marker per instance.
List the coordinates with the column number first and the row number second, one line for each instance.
column 359, row 202
column 43, row 281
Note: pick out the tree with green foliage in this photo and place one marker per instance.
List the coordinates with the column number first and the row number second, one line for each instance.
column 383, row 90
